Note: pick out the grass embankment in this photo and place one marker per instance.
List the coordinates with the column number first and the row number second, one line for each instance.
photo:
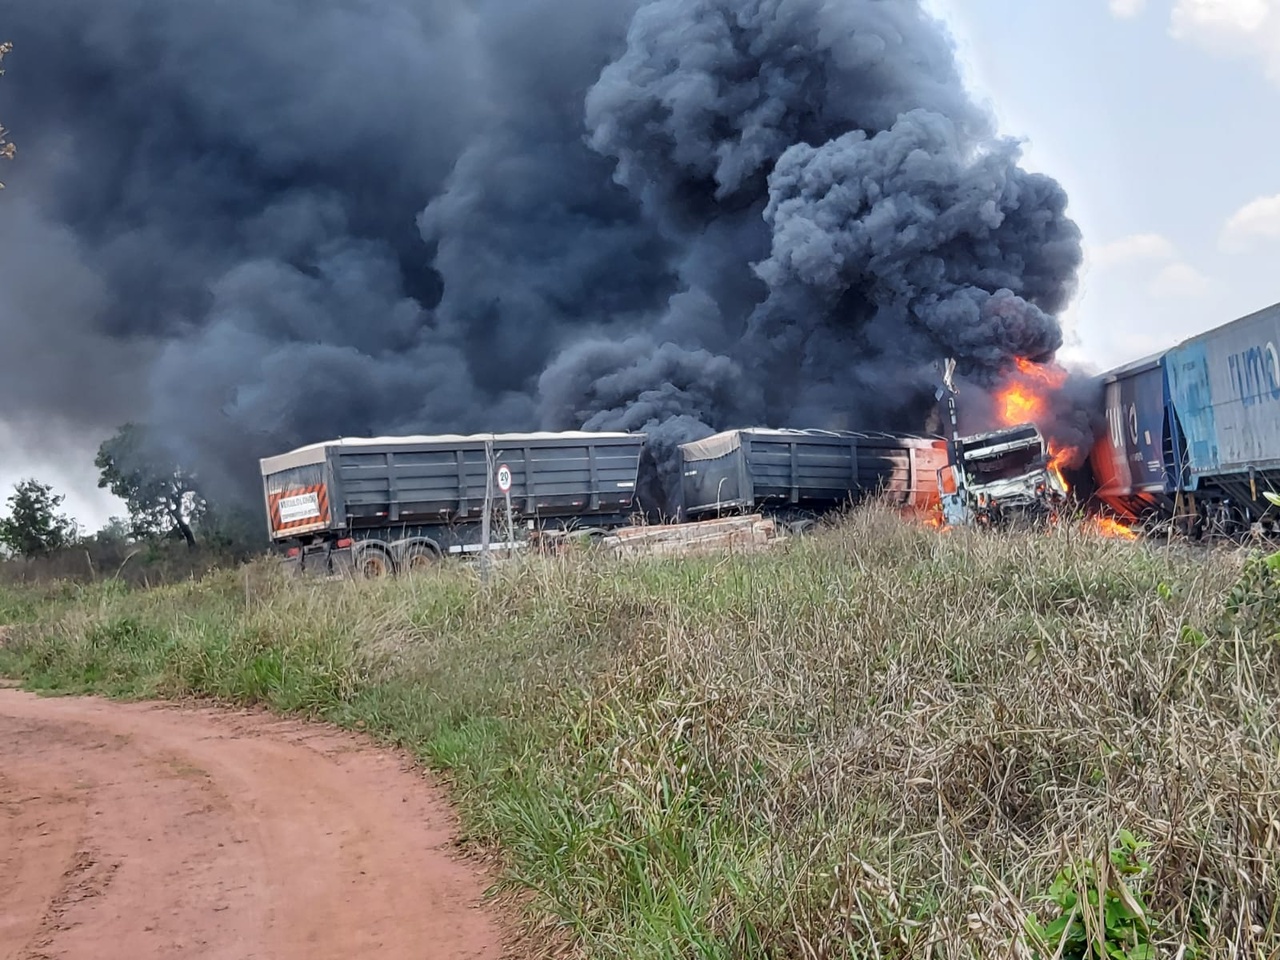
column 876, row 742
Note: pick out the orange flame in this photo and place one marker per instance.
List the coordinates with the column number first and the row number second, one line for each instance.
column 1061, row 458
column 936, row 522
column 1026, row 400
column 1113, row 529
column 1053, row 375
column 1020, row 405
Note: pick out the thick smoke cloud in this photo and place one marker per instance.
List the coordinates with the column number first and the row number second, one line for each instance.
column 261, row 223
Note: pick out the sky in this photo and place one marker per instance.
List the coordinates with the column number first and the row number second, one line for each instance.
column 1151, row 113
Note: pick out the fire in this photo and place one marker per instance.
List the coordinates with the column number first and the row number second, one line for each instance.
column 1061, row 459
column 1054, row 376
column 1114, row 529
column 931, row 518
column 1020, row 405
column 1026, row 400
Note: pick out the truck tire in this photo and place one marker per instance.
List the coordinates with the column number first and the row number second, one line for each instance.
column 372, row 561
column 416, row 557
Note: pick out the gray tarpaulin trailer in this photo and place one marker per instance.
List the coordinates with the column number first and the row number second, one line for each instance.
column 807, row 470
column 389, row 502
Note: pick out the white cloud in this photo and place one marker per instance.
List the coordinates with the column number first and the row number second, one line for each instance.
column 1179, row 280
column 1136, row 248
column 1222, row 18
column 1148, row 251
column 1238, row 28
column 1127, row 9
column 1257, row 220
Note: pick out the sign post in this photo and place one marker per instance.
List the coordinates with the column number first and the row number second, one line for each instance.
column 488, row 511
column 504, row 484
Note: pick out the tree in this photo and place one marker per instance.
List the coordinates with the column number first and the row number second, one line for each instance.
column 232, row 528
column 163, row 497
column 34, row 527
column 117, row 530
column 7, row 149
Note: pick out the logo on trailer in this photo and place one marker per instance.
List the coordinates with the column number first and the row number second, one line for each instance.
column 297, row 510
column 1255, row 373
column 1115, row 416
column 504, row 478
column 304, row 507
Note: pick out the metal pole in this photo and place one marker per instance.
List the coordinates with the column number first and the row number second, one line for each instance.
column 955, row 507
column 956, row 449
column 488, row 510
column 511, row 529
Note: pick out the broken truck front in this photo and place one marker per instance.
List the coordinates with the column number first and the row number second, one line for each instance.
column 1001, row 475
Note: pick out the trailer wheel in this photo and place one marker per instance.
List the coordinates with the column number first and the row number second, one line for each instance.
column 798, row 528
column 417, row 558
column 372, row 561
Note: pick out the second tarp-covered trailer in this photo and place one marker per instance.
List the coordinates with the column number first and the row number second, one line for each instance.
column 807, row 470
column 409, row 497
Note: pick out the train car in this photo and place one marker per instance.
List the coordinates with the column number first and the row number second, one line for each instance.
column 1226, row 390
column 1193, row 432
column 1137, row 462
column 382, row 504
column 807, row 471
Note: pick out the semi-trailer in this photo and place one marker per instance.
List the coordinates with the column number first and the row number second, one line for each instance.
column 378, row 506
column 799, row 475
column 385, row 504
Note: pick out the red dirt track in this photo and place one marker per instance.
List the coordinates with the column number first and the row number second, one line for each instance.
column 136, row 831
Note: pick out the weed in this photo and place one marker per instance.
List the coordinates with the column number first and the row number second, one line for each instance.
column 1101, row 913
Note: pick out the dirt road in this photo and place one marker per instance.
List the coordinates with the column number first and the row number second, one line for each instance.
column 140, row 831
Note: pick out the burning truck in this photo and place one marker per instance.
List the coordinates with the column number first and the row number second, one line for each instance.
column 1002, row 475
column 1008, row 474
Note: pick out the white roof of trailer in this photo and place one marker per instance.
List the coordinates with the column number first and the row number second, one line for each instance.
column 315, row 452
column 719, row 444
column 1133, row 366
column 1221, row 329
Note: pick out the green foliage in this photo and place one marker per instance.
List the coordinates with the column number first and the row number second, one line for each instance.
column 235, row 530
column 34, row 527
column 1101, row 916
column 115, row 532
column 1253, row 604
column 163, row 497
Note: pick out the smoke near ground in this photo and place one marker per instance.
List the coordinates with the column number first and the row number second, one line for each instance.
column 261, row 223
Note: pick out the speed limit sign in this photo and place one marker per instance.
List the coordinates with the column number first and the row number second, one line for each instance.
column 504, row 478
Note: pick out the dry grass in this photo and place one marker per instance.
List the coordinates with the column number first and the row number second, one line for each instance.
column 876, row 742
column 146, row 564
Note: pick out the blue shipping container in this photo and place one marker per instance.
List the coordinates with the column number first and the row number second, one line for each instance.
column 1226, row 390
column 1188, row 371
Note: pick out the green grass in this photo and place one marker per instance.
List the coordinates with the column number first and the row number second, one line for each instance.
column 878, row 741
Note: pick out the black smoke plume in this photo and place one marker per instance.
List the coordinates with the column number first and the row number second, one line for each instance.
column 260, row 223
